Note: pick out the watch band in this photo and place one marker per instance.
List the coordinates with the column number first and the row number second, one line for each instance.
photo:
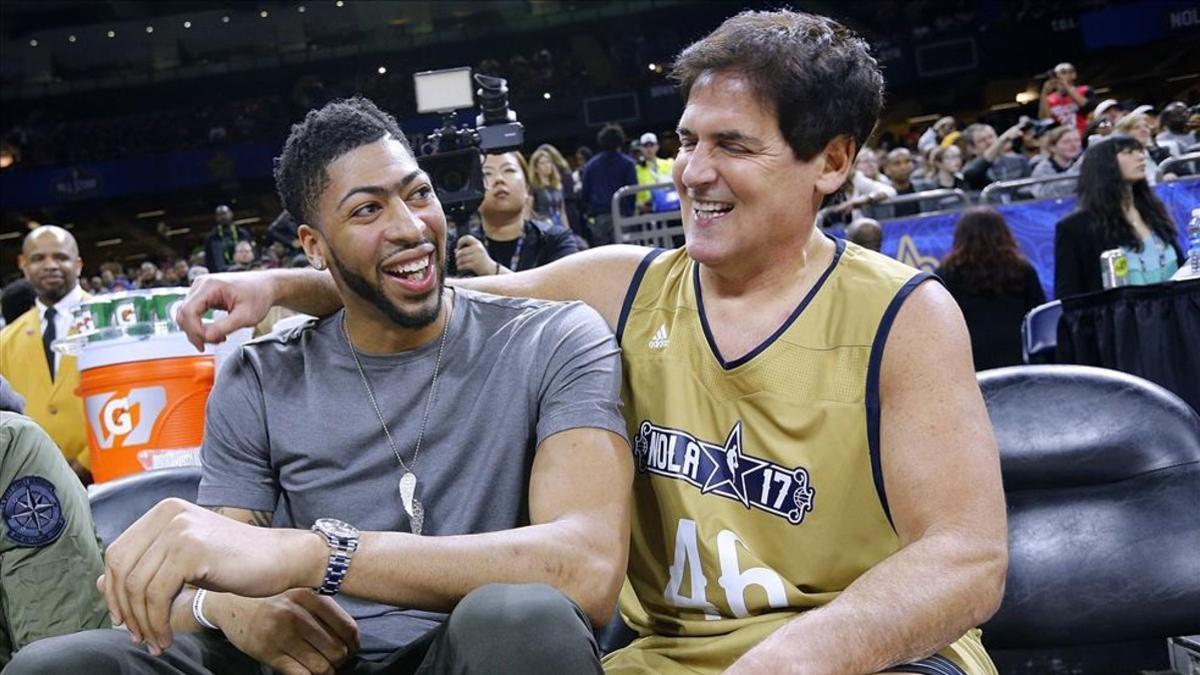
column 342, row 540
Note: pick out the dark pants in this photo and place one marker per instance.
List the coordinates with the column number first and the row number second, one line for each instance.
column 601, row 228
column 499, row 628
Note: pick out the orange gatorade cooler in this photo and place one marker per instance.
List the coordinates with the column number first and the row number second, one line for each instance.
column 144, row 399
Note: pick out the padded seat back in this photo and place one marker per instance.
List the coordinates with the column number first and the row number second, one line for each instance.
column 117, row 504
column 1102, row 478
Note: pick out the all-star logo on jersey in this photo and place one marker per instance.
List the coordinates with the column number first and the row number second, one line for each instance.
column 724, row 470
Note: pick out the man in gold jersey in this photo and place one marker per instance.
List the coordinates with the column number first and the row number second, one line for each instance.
column 818, row 485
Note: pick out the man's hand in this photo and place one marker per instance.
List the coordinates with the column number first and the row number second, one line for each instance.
column 245, row 295
column 295, row 632
column 177, row 543
column 471, row 256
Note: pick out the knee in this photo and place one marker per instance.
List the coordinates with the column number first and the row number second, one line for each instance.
column 93, row 651
column 518, row 609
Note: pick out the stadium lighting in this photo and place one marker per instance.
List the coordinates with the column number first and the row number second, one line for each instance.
column 112, row 33
column 33, row 43
column 382, row 70
column 149, row 29
column 546, row 96
column 71, row 38
column 339, row 3
column 300, row 9
column 225, row 19
column 187, row 24
column 263, row 14
column 653, row 67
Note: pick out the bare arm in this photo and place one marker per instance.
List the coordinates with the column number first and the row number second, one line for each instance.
column 598, row 277
column 942, row 477
column 578, row 539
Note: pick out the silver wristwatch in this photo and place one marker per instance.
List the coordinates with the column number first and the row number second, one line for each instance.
column 342, row 539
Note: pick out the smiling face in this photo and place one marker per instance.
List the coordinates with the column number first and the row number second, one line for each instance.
column 1131, row 162
column 505, row 189
column 52, row 263
column 743, row 192
column 384, row 233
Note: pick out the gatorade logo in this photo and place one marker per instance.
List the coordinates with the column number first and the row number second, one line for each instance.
column 122, row 421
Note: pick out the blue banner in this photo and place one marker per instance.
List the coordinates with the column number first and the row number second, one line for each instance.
column 922, row 241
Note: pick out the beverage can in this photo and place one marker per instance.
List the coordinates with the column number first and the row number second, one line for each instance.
column 1114, row 268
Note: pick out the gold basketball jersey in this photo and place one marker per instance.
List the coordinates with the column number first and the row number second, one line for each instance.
column 758, row 493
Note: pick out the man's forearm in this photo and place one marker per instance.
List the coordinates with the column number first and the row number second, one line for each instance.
column 306, row 291
column 911, row 605
column 434, row 573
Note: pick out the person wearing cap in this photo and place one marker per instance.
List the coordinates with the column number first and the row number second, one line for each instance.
column 48, row 380
column 1066, row 101
column 49, row 554
column 1110, row 110
column 651, row 169
column 1175, row 120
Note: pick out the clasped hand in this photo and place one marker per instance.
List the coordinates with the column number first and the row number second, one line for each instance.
column 178, row 543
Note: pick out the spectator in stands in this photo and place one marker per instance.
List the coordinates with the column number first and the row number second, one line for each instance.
column 1109, row 109
column 149, row 276
column 1177, row 136
column 283, row 231
column 570, row 190
column 935, row 134
column 603, row 175
column 546, row 186
column 898, row 167
column 1065, row 101
column 196, row 271
column 1116, row 209
column 866, row 232
column 1063, row 148
column 222, row 241
column 509, row 241
column 653, row 169
column 1138, row 126
column 947, row 168
column 243, row 256
column 181, row 271
column 994, row 284
column 17, row 298
column 993, row 156
column 868, row 165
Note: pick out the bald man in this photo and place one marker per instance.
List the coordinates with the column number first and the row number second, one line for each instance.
column 47, row 380
column 866, row 233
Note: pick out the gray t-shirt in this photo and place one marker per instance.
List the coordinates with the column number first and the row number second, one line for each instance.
column 290, row 428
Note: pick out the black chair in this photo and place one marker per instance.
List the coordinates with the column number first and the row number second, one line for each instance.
column 117, row 504
column 1102, row 477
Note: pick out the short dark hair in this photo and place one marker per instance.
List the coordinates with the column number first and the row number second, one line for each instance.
column 817, row 75
column 323, row 136
column 610, row 137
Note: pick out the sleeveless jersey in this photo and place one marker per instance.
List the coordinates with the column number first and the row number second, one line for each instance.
column 758, row 491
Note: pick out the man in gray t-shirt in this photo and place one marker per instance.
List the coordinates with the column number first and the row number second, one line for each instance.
column 460, row 457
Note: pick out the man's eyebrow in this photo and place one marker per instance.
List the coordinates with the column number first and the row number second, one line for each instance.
column 380, row 191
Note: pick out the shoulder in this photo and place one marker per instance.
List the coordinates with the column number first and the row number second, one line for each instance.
column 287, row 346
column 29, row 318
column 1075, row 222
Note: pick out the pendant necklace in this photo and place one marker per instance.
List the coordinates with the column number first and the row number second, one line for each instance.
column 408, row 480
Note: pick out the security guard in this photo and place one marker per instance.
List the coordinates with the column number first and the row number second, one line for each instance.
column 49, row 553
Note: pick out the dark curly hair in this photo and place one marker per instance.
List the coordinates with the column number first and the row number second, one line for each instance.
column 323, row 136
column 984, row 259
column 817, row 75
column 1102, row 192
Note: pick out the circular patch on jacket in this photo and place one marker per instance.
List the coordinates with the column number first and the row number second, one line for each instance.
column 32, row 513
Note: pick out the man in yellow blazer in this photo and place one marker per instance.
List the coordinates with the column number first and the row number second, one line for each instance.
column 48, row 380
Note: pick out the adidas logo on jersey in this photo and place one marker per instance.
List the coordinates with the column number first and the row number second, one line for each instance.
column 660, row 340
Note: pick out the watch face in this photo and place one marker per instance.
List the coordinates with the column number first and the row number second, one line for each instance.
column 336, row 528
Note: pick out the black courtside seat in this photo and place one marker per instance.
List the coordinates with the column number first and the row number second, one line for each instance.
column 1102, row 477
column 117, row 504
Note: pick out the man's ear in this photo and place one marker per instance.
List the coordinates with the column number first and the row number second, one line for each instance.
column 837, row 161
column 314, row 245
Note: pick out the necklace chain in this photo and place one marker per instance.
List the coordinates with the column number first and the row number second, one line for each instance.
column 437, row 366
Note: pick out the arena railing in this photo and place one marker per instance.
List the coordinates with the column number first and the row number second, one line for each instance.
column 1189, row 158
column 991, row 192
column 663, row 229
column 928, row 195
